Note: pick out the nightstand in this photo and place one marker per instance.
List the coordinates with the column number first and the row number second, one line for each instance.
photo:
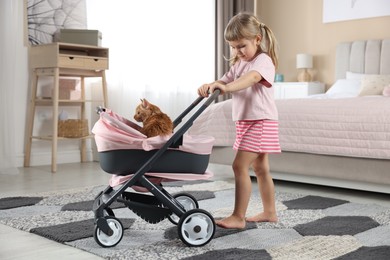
column 285, row 90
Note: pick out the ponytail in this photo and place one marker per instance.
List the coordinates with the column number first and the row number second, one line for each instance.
column 271, row 45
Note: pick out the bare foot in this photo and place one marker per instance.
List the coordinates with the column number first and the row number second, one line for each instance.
column 263, row 217
column 231, row 222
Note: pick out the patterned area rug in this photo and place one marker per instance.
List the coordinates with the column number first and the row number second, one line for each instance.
column 309, row 227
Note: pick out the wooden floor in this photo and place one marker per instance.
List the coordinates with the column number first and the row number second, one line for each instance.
column 15, row 244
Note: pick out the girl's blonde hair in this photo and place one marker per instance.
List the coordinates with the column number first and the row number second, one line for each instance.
column 247, row 26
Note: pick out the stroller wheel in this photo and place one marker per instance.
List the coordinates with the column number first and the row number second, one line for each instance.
column 105, row 240
column 196, row 227
column 187, row 201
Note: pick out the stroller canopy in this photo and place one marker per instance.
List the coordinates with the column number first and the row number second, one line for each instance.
column 114, row 132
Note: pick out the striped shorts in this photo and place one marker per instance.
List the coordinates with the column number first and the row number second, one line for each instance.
column 259, row 136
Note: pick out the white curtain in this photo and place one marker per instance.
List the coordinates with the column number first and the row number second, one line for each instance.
column 159, row 50
column 11, row 24
column 225, row 10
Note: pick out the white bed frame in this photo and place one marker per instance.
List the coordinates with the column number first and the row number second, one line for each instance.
column 365, row 56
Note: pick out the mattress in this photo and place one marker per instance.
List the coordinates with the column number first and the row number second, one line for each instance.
column 353, row 127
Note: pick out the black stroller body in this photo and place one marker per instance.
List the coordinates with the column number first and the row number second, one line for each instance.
column 196, row 227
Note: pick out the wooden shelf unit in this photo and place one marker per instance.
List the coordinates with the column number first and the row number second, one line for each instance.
column 63, row 60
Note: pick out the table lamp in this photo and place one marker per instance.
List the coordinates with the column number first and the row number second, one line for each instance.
column 304, row 62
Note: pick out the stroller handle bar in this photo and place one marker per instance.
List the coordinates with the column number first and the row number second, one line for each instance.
column 178, row 135
column 211, row 98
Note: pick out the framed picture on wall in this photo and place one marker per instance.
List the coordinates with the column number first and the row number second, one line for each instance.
column 46, row 17
column 343, row 10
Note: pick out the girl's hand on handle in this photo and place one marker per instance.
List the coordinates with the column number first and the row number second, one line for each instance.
column 217, row 85
column 207, row 89
column 204, row 90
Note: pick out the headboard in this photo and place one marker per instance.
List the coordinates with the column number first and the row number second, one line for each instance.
column 364, row 56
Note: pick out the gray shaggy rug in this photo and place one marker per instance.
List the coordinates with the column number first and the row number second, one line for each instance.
column 309, row 227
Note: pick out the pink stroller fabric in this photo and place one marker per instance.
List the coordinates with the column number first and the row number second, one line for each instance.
column 159, row 177
column 114, row 132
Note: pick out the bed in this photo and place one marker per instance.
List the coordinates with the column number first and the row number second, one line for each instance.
column 340, row 138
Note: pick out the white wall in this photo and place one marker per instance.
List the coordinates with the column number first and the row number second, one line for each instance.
column 298, row 26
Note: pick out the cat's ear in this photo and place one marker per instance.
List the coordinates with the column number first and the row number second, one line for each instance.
column 145, row 103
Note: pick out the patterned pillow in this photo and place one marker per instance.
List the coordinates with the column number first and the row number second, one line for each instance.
column 373, row 84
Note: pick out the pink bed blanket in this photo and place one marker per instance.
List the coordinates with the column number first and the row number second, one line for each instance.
column 216, row 121
column 353, row 127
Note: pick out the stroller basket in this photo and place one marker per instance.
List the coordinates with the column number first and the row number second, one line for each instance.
column 124, row 151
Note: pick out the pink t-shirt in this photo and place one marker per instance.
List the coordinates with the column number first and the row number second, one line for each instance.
column 255, row 102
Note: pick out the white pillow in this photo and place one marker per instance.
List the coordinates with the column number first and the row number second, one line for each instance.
column 354, row 75
column 374, row 84
column 344, row 88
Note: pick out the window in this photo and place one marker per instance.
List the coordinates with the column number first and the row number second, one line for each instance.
column 159, row 50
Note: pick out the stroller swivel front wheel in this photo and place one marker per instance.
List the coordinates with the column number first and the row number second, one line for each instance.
column 105, row 240
column 187, row 201
column 196, row 227
column 108, row 212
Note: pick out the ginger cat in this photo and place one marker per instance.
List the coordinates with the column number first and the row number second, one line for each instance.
column 154, row 121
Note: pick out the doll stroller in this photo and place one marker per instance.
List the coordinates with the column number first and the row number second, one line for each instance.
column 142, row 164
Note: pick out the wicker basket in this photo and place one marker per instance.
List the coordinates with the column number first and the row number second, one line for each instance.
column 73, row 128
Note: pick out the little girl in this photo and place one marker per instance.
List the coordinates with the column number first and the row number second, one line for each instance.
column 250, row 79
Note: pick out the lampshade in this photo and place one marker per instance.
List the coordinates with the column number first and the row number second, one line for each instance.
column 304, row 61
